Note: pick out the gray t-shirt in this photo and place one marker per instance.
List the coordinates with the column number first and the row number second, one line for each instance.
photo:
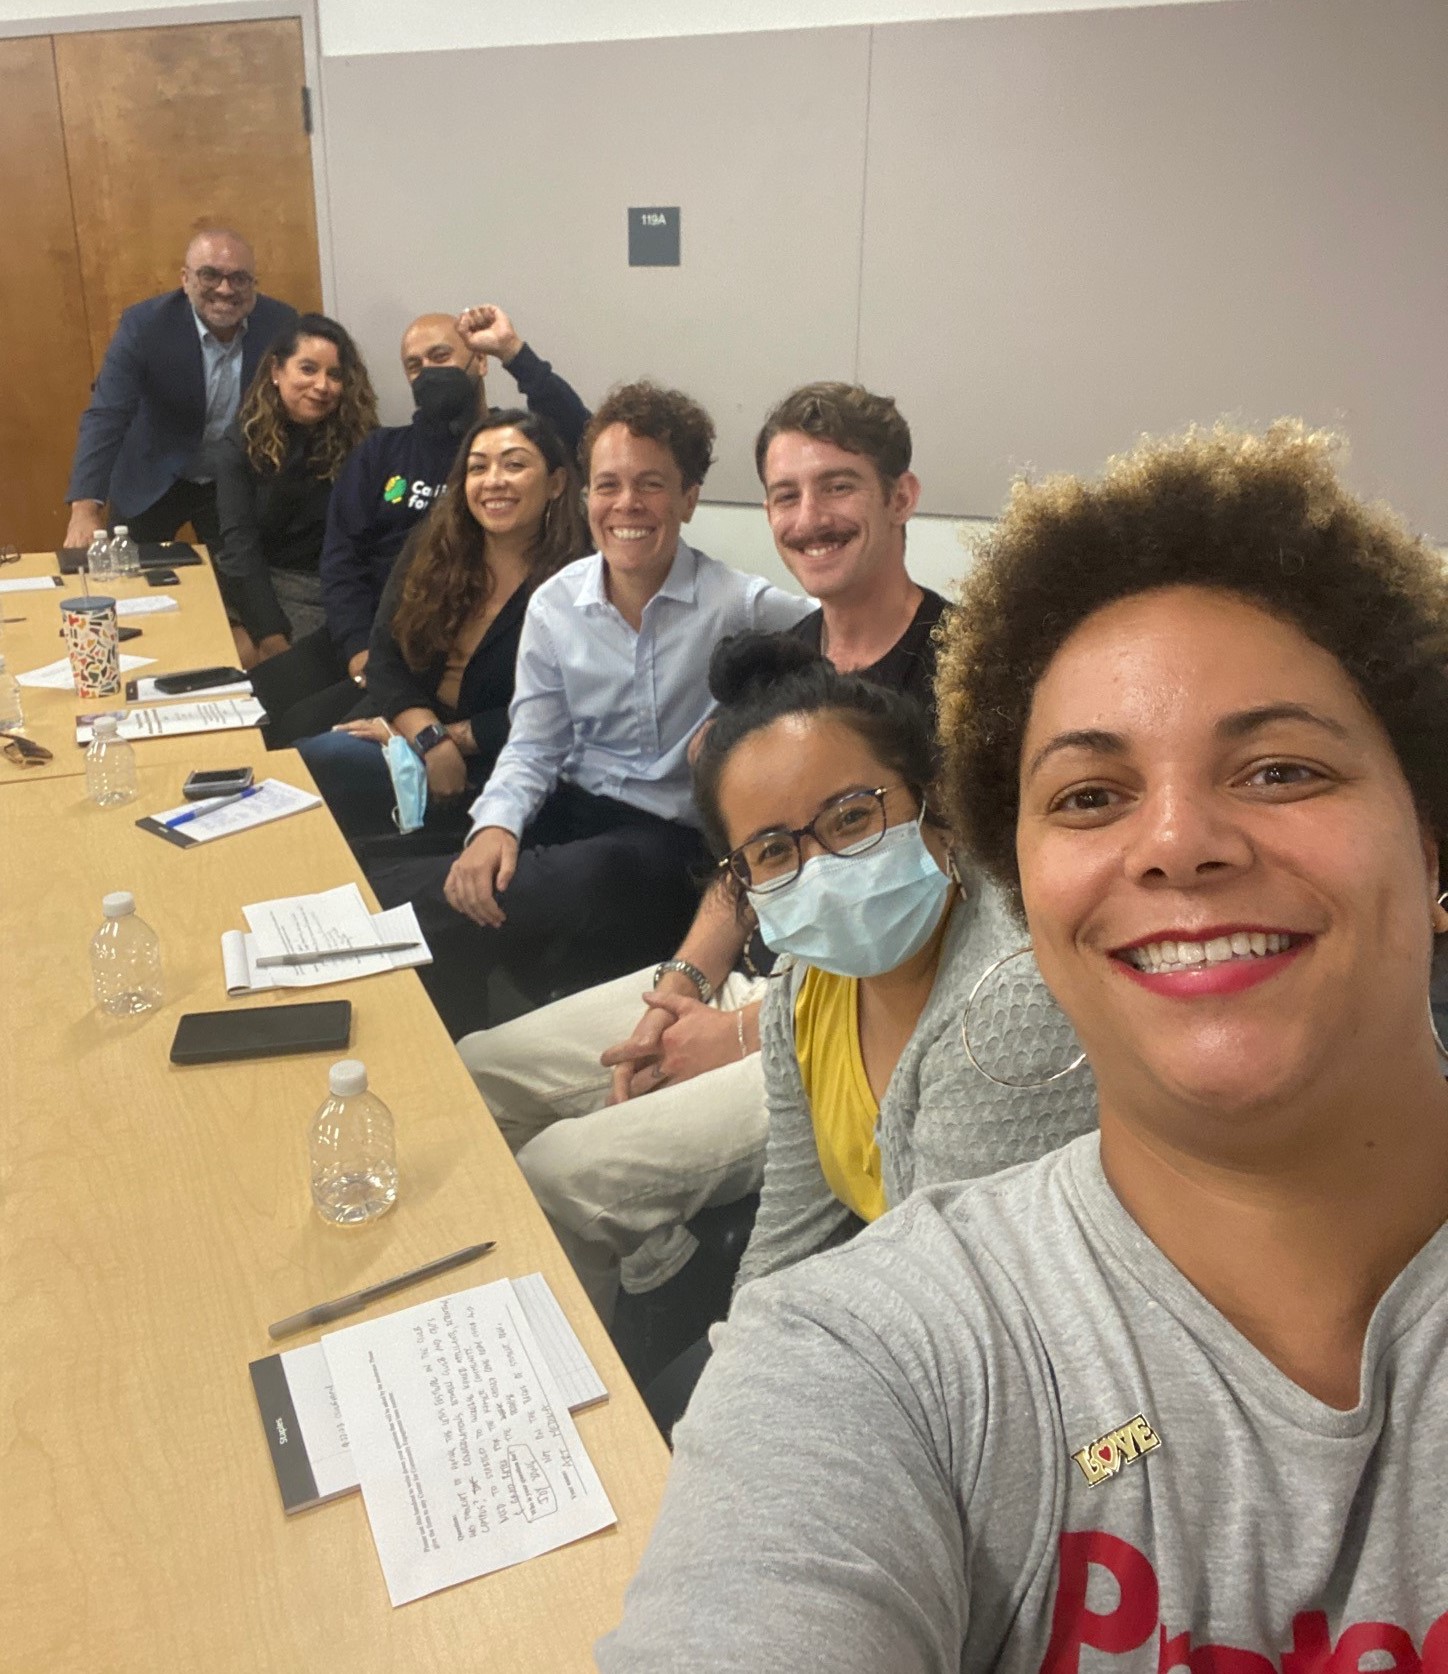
column 877, row 1473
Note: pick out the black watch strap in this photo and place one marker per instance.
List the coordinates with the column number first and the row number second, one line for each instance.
column 429, row 738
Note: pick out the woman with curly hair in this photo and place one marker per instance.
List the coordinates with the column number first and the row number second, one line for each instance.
column 309, row 405
column 444, row 645
column 1173, row 1396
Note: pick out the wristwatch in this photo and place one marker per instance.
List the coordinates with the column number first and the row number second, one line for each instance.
column 694, row 974
column 429, row 738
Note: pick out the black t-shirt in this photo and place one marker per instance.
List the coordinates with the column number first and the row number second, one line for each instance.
column 909, row 664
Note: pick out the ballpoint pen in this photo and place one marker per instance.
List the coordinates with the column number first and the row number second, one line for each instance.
column 212, row 807
column 325, row 1312
column 269, row 960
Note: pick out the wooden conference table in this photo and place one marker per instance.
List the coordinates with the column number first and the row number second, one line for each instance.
column 155, row 1219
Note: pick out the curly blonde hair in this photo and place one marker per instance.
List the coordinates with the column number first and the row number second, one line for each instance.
column 265, row 427
column 1262, row 517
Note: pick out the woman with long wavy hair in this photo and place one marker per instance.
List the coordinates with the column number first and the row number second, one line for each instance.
column 309, row 405
column 440, row 666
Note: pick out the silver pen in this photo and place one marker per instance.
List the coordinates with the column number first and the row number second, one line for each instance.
column 325, row 1312
column 269, row 960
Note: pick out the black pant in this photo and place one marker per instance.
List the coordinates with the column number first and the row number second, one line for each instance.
column 304, row 690
column 601, row 888
column 183, row 502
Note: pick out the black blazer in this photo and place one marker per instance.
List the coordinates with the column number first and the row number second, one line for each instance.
column 143, row 428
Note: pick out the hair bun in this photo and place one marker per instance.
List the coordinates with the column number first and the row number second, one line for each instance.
column 747, row 663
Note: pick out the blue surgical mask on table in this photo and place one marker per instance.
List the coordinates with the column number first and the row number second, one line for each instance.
column 858, row 916
column 409, row 784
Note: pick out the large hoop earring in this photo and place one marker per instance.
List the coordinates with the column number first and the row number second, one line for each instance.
column 1015, row 1025
column 1433, row 1021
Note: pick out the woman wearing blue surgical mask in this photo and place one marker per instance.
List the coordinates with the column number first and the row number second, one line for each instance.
column 813, row 786
column 445, row 642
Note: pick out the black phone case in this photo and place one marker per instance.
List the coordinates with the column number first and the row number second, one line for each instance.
column 223, row 1037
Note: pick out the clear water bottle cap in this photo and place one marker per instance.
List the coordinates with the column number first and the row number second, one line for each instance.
column 118, row 904
column 122, row 529
column 347, row 1078
column 106, row 726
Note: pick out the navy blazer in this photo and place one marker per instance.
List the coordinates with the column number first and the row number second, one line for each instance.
column 143, row 428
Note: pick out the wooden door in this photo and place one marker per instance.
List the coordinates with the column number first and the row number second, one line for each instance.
column 45, row 359
column 167, row 127
column 114, row 145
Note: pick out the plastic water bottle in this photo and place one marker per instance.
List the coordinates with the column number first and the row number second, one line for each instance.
column 354, row 1158
column 98, row 561
column 125, row 554
column 12, row 713
column 125, row 959
column 110, row 765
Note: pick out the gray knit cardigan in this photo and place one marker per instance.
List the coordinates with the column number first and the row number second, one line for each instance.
column 940, row 1119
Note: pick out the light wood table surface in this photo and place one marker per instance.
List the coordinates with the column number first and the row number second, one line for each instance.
column 155, row 1219
column 195, row 636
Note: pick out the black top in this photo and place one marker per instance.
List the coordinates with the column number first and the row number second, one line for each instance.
column 486, row 688
column 390, row 480
column 909, row 664
column 269, row 519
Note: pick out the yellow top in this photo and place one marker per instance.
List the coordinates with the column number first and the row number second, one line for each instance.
column 842, row 1107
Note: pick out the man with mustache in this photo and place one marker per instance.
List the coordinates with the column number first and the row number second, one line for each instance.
column 648, row 1142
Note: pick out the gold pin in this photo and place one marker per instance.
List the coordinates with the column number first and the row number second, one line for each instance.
column 1102, row 1459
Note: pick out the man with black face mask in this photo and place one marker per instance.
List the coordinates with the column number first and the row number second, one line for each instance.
column 386, row 487
column 396, row 473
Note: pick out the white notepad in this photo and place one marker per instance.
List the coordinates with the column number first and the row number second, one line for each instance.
column 170, row 720
column 460, row 1431
column 270, row 800
column 304, row 1426
column 30, row 583
column 57, row 676
column 312, row 924
column 153, row 604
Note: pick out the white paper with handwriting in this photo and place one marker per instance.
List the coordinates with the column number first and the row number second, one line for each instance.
column 468, row 1458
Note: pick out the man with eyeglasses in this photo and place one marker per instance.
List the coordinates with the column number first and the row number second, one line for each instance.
column 171, row 381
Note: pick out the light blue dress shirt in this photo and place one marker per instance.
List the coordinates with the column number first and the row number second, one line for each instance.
column 222, row 365
column 610, row 710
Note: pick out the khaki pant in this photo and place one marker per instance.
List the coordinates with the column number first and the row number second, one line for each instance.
column 618, row 1182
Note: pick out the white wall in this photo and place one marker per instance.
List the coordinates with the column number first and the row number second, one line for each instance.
column 379, row 26
column 938, row 549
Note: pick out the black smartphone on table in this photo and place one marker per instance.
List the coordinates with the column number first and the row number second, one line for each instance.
column 197, row 679
column 223, row 1037
column 162, row 578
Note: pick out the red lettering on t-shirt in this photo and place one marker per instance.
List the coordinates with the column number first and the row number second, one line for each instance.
column 1435, row 1647
column 1124, row 1628
column 1361, row 1638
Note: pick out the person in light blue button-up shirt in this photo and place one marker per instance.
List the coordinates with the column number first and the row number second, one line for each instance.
column 584, row 856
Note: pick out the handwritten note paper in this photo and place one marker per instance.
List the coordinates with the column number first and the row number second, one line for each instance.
column 468, row 1458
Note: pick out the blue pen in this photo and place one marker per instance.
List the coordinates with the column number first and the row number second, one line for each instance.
column 210, row 808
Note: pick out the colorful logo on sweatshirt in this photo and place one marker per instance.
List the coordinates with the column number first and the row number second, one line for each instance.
column 394, row 490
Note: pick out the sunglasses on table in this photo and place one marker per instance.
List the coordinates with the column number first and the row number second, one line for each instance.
column 25, row 752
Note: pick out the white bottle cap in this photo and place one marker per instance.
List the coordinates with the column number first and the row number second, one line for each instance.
column 118, row 904
column 121, row 529
column 106, row 726
column 347, row 1078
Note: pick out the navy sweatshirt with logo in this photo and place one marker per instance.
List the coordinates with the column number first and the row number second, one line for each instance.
column 389, row 481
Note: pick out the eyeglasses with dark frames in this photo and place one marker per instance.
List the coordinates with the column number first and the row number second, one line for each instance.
column 213, row 277
column 9, row 554
column 25, row 752
column 850, row 825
